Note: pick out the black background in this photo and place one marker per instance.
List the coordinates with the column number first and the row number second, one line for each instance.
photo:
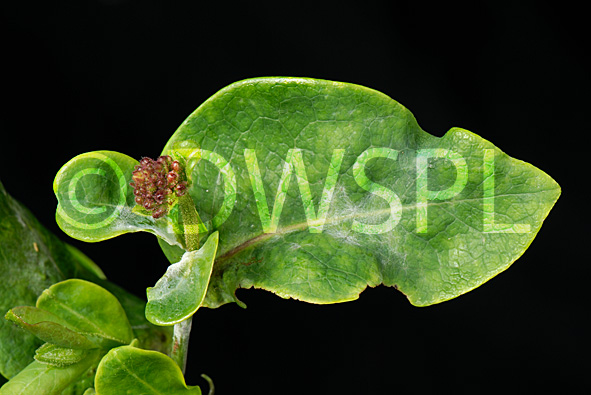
column 121, row 75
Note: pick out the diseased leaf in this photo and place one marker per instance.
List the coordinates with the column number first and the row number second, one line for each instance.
column 43, row 379
column 319, row 189
column 95, row 201
column 90, row 309
column 59, row 356
column 130, row 370
column 180, row 292
column 49, row 327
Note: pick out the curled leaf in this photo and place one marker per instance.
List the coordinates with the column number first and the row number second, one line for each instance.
column 96, row 202
column 180, row 292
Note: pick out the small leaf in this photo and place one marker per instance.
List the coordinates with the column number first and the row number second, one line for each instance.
column 96, row 202
column 180, row 292
column 43, row 379
column 48, row 327
column 129, row 370
column 89, row 309
column 59, row 356
column 89, row 391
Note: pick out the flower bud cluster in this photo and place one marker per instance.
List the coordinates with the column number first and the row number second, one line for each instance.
column 156, row 183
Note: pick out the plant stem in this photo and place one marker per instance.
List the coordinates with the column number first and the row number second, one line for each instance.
column 191, row 222
column 180, row 342
column 210, row 382
column 182, row 330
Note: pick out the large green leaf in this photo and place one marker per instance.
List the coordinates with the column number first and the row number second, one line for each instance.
column 180, row 292
column 368, row 198
column 31, row 260
column 130, row 370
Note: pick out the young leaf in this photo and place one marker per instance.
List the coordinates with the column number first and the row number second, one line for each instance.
column 319, row 189
column 96, row 202
column 180, row 292
column 49, row 327
column 129, row 370
column 59, row 356
column 43, row 379
column 90, row 309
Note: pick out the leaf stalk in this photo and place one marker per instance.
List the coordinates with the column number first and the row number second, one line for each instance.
column 182, row 330
column 180, row 343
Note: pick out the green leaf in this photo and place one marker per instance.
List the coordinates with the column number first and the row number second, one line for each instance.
column 149, row 336
column 180, row 292
column 86, row 262
column 368, row 197
column 49, row 327
column 129, row 370
column 95, row 201
column 59, row 356
column 43, row 379
column 32, row 259
column 90, row 309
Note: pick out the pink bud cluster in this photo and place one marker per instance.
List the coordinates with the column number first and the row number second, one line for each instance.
column 156, row 182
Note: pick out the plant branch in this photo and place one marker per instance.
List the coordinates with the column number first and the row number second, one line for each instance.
column 180, row 342
column 182, row 330
column 191, row 222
